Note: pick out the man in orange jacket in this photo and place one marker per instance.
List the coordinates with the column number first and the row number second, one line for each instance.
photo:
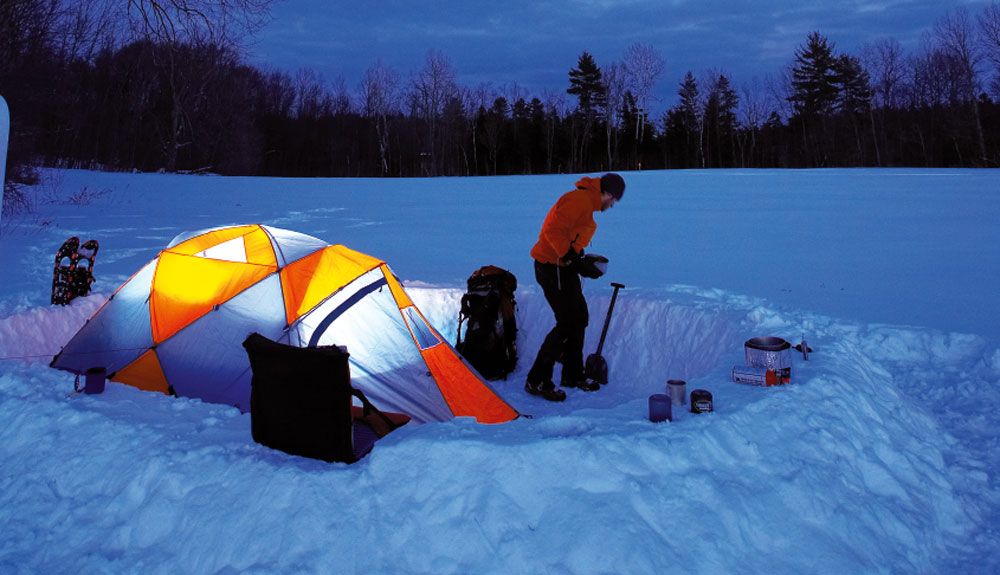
column 567, row 229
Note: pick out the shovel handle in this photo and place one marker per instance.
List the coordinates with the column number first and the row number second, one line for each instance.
column 607, row 320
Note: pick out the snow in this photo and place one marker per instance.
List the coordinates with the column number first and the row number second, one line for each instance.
column 882, row 456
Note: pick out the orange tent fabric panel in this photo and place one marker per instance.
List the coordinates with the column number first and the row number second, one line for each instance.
column 464, row 392
column 186, row 287
column 402, row 300
column 310, row 280
column 258, row 248
column 214, row 238
column 144, row 373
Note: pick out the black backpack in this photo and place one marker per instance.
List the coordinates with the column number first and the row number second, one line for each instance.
column 488, row 307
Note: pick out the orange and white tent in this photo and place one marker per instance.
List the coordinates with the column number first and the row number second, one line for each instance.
column 177, row 325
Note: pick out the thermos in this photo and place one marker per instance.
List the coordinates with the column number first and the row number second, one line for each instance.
column 675, row 389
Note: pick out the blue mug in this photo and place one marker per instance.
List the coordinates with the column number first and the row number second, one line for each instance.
column 659, row 408
column 94, row 380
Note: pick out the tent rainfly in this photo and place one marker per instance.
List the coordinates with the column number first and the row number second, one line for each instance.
column 177, row 325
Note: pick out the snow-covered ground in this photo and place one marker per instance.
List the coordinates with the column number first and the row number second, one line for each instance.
column 882, row 456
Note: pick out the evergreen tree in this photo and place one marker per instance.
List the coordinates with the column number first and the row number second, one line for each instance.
column 586, row 83
column 683, row 125
column 854, row 101
column 720, row 123
column 854, row 86
column 691, row 120
column 814, row 78
column 815, row 89
column 631, row 117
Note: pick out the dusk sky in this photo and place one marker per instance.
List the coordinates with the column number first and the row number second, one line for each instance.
column 535, row 44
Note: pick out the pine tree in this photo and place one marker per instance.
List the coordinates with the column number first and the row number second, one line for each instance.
column 814, row 78
column 631, row 118
column 720, row 122
column 854, row 86
column 683, row 124
column 586, row 83
column 692, row 119
column 815, row 86
column 854, row 100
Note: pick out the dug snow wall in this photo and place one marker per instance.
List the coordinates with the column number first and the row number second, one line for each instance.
column 840, row 472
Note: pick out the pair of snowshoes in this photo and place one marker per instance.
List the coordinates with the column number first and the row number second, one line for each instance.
column 73, row 273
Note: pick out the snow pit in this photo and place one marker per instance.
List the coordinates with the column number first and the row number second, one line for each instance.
column 649, row 341
column 838, row 472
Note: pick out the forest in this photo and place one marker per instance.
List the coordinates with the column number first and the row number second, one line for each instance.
column 163, row 85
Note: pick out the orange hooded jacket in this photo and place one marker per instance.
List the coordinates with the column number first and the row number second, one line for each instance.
column 570, row 223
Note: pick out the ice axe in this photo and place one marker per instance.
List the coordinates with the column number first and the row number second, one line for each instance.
column 596, row 367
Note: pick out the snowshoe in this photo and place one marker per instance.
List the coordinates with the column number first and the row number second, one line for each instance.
column 64, row 271
column 73, row 272
column 83, row 275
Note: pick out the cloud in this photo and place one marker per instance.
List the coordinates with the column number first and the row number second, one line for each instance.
column 535, row 43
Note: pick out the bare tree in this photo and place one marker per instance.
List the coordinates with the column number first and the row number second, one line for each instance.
column 614, row 90
column 643, row 66
column 754, row 109
column 955, row 35
column 989, row 27
column 69, row 29
column 556, row 107
column 514, row 92
column 379, row 100
column 340, row 98
column 87, row 26
column 494, row 119
column 171, row 26
column 883, row 58
column 309, row 94
column 780, row 90
column 220, row 21
column 478, row 101
column 431, row 89
column 279, row 94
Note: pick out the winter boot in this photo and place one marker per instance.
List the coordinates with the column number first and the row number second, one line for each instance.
column 545, row 389
column 581, row 383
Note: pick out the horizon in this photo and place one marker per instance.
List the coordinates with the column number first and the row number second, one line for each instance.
column 489, row 46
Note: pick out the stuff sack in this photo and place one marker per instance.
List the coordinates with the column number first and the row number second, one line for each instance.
column 488, row 311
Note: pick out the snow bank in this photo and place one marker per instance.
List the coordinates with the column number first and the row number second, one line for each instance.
column 37, row 334
column 844, row 471
column 881, row 457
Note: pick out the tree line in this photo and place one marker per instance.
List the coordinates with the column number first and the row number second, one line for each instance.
column 154, row 85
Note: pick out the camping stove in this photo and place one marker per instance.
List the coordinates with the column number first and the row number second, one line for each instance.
column 771, row 354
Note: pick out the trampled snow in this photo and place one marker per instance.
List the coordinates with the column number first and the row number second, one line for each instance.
column 882, row 456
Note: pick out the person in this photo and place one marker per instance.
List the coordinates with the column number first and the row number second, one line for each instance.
column 567, row 230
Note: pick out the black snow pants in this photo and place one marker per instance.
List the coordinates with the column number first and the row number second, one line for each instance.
column 564, row 343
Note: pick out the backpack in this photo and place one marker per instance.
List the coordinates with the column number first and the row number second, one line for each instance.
column 488, row 307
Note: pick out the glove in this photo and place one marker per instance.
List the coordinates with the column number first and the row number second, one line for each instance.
column 573, row 260
column 592, row 266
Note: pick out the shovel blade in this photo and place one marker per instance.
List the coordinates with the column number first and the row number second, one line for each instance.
column 596, row 369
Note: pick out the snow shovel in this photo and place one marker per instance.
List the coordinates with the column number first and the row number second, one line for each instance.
column 596, row 368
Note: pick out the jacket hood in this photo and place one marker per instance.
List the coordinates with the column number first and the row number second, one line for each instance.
column 593, row 187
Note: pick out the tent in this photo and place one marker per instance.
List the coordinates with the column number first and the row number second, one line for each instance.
column 177, row 325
